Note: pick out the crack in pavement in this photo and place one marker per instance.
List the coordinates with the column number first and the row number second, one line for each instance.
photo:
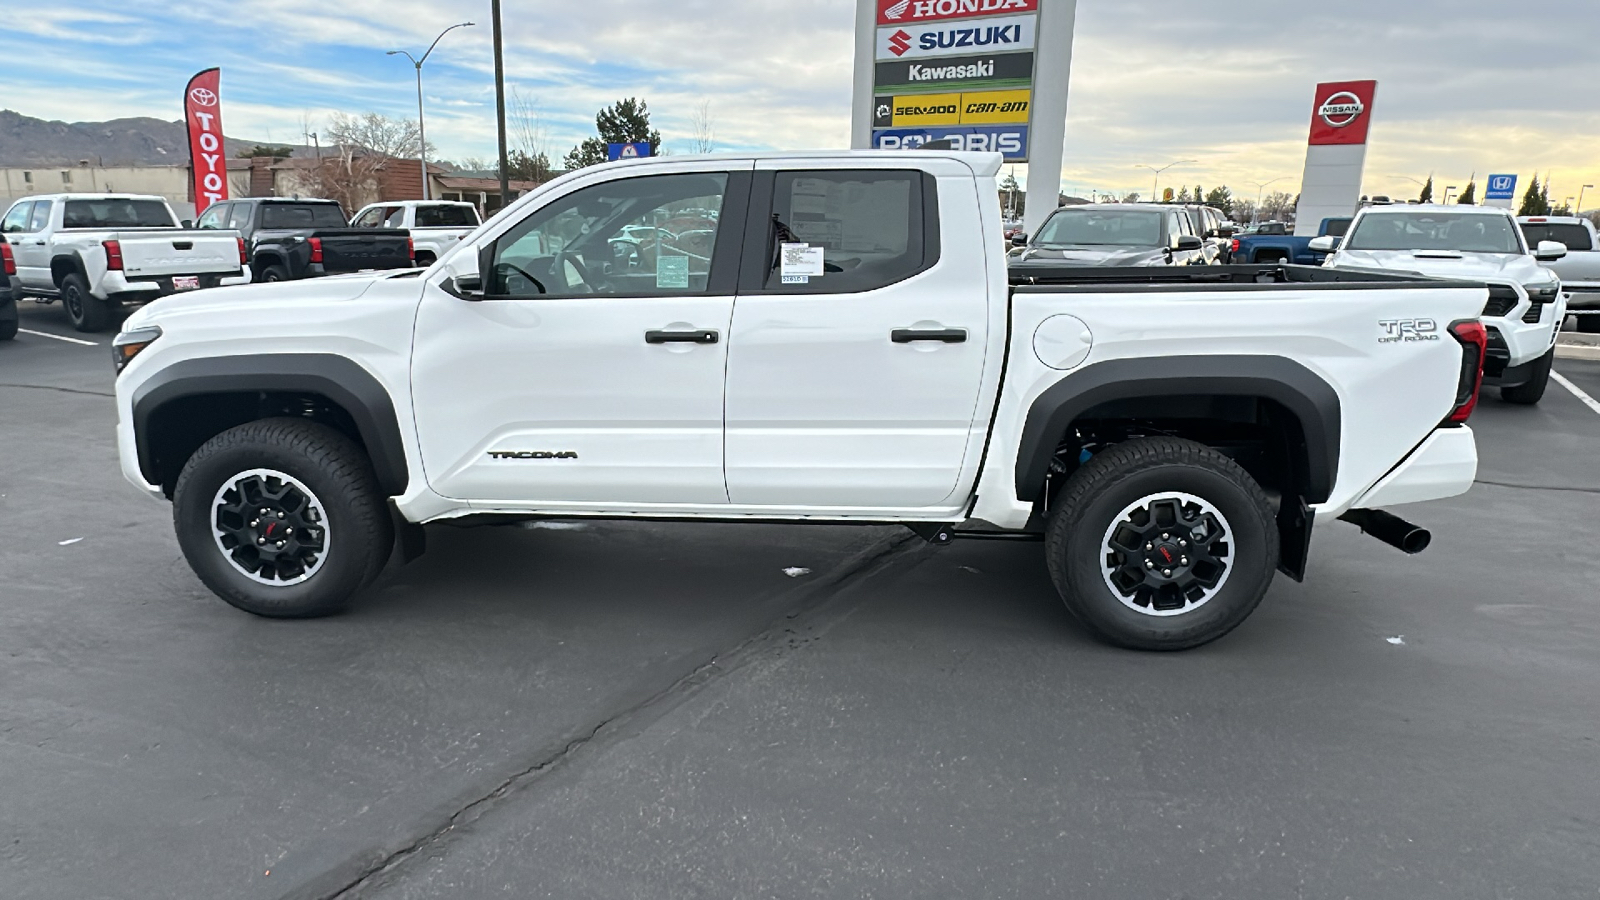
column 64, row 390
column 814, row 597
column 1537, row 487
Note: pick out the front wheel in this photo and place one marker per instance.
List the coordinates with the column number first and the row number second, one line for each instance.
column 1532, row 391
column 282, row 518
column 1161, row 544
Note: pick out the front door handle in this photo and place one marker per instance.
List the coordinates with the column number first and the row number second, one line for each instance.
column 942, row 335
column 706, row 336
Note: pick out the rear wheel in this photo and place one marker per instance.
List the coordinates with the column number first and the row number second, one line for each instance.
column 1531, row 391
column 282, row 518
column 8, row 329
column 1589, row 324
column 275, row 273
column 1161, row 544
column 85, row 311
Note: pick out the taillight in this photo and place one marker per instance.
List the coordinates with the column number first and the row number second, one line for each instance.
column 8, row 263
column 1235, row 247
column 316, row 249
column 113, row 255
column 411, row 249
column 1474, row 340
column 244, row 255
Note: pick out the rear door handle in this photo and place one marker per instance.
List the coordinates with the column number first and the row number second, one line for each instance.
column 943, row 335
column 680, row 337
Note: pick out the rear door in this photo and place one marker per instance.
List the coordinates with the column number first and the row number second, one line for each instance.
column 859, row 336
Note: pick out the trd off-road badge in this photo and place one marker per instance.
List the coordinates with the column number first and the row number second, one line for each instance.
column 533, row 454
column 1397, row 331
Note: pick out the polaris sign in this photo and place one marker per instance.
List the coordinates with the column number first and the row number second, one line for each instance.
column 1008, row 140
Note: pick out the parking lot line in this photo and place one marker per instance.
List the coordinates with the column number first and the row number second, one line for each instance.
column 58, row 337
column 1577, row 392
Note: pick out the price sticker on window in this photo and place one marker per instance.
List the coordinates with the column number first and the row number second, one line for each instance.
column 672, row 272
column 799, row 263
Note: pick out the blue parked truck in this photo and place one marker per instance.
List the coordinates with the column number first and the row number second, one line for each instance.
column 1287, row 248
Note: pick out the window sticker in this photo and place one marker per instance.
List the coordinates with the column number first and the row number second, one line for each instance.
column 799, row 262
column 672, row 272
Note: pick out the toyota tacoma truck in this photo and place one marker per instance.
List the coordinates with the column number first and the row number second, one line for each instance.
column 1579, row 270
column 849, row 348
column 1482, row 243
column 289, row 239
column 98, row 252
column 435, row 225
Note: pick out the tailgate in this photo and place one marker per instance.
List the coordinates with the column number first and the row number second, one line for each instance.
column 383, row 248
column 155, row 253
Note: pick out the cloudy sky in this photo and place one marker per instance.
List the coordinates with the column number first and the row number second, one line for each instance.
column 1464, row 85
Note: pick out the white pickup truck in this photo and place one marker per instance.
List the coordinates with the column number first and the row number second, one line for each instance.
column 1480, row 243
column 1579, row 270
column 97, row 252
column 436, row 226
column 848, row 349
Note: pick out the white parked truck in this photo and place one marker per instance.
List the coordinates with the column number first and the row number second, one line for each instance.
column 98, row 252
column 846, row 346
column 436, row 226
column 1579, row 270
column 1480, row 243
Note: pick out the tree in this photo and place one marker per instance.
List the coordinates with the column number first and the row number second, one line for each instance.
column 1427, row 191
column 1131, row 198
column 1243, row 209
column 1534, row 201
column 1183, row 195
column 703, row 126
column 624, row 122
column 1221, row 198
column 1199, row 195
column 375, row 133
column 362, row 147
column 1469, row 197
column 264, row 150
column 1276, row 205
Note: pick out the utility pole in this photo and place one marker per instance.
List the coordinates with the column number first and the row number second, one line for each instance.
column 500, row 106
column 422, row 133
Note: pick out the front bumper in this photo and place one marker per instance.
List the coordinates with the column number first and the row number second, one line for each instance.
column 1514, row 344
column 142, row 289
column 1582, row 296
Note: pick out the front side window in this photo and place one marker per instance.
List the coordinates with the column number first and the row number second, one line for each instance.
column 369, row 218
column 16, row 220
column 1461, row 232
column 653, row 235
column 447, row 217
column 41, row 215
column 213, row 218
column 1086, row 226
column 1575, row 237
column 847, row 231
column 103, row 214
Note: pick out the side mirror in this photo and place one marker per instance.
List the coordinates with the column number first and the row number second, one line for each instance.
column 1189, row 242
column 1020, row 239
column 1550, row 251
column 187, row 223
column 1326, row 243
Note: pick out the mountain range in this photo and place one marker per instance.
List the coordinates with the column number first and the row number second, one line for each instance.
column 25, row 140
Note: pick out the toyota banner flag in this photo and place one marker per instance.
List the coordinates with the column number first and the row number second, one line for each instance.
column 208, row 160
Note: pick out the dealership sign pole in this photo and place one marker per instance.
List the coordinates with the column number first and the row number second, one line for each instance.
column 208, row 160
column 981, row 74
column 1336, row 153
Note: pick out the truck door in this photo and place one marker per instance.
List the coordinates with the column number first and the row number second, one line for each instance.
column 32, row 247
column 859, row 338
column 591, row 370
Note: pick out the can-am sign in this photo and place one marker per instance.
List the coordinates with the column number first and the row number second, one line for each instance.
column 1341, row 112
column 899, row 12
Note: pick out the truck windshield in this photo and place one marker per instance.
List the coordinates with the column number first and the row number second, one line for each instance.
column 1576, row 237
column 302, row 215
column 1088, row 227
column 101, row 214
column 1464, row 232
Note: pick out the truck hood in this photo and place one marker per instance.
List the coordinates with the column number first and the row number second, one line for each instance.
column 1501, row 267
column 1095, row 256
column 285, row 294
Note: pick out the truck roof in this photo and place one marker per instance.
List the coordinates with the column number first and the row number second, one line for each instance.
column 85, row 196
column 1434, row 208
column 983, row 163
column 281, row 200
column 408, row 204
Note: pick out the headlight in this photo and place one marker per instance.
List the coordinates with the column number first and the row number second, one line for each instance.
column 129, row 343
column 1543, row 293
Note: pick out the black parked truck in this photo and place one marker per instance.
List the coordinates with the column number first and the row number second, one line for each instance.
column 288, row 239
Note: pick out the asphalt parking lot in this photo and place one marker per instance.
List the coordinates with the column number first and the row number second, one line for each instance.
column 661, row 711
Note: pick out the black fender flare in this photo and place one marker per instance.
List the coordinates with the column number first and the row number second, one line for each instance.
column 1304, row 393
column 341, row 380
column 268, row 256
column 73, row 260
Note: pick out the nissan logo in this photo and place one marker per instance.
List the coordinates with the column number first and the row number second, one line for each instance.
column 203, row 97
column 1341, row 109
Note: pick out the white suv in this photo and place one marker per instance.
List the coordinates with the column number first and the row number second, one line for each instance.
column 1471, row 243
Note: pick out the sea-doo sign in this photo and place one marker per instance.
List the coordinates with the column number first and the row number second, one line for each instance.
column 899, row 12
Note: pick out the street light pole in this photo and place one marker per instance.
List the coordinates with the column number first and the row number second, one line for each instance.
column 1579, row 210
column 1261, row 187
column 500, row 107
column 1155, row 185
column 1447, row 189
column 422, row 131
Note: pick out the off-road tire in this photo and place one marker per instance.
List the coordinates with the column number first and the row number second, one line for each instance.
column 86, row 312
column 274, row 273
column 8, row 329
column 335, row 470
column 1094, row 497
column 1532, row 391
column 1588, row 324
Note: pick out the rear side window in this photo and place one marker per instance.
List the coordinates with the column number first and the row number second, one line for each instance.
column 1338, row 227
column 370, row 218
column 446, row 217
column 16, row 220
column 302, row 215
column 115, row 214
column 239, row 219
column 1576, row 237
column 847, row 231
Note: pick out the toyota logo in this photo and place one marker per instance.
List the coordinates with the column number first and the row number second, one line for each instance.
column 203, row 97
column 1341, row 109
